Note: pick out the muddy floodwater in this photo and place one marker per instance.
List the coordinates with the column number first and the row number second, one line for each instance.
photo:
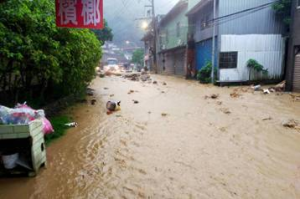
column 174, row 142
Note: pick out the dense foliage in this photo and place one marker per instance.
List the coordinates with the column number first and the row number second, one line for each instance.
column 138, row 57
column 204, row 74
column 60, row 128
column 253, row 65
column 38, row 60
column 283, row 9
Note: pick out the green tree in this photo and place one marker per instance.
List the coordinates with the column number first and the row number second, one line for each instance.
column 138, row 57
column 105, row 34
column 283, row 9
column 39, row 60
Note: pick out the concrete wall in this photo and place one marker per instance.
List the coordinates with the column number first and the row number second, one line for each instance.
column 199, row 33
column 268, row 50
column 171, row 26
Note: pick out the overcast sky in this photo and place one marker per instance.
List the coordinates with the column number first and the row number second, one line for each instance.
column 121, row 15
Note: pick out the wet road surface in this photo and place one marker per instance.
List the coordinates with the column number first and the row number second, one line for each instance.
column 174, row 143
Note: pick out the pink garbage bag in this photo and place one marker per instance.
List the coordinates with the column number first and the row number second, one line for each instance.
column 36, row 114
column 47, row 127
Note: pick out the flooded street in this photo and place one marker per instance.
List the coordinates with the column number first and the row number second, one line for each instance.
column 174, row 143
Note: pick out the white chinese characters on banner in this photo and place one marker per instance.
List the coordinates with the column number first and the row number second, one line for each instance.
column 90, row 12
column 79, row 13
column 67, row 11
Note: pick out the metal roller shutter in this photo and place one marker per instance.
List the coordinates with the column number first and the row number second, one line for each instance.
column 179, row 58
column 169, row 64
column 296, row 82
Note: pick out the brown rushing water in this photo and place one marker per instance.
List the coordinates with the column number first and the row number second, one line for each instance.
column 195, row 151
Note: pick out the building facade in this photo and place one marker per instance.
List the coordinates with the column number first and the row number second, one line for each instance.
column 172, row 40
column 293, row 68
column 244, row 30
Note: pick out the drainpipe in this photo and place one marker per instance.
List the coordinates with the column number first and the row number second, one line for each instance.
column 213, row 43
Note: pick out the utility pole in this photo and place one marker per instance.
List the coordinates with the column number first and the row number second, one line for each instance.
column 154, row 36
column 154, row 32
column 213, row 44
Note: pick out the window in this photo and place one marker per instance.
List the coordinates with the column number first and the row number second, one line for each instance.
column 228, row 60
column 178, row 29
column 205, row 22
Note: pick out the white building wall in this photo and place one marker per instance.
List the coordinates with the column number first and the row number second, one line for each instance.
column 268, row 50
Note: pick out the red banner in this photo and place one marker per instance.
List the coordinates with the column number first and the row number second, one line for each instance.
column 79, row 13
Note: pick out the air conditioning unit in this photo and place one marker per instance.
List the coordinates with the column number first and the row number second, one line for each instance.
column 163, row 47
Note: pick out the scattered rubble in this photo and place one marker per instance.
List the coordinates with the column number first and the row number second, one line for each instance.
column 235, row 95
column 105, row 88
column 135, row 101
column 154, row 82
column 213, row 96
column 164, row 83
column 226, row 111
column 164, row 114
column 130, row 92
column 72, row 124
column 90, row 92
column 295, row 97
column 145, row 77
column 219, row 103
column 132, row 76
column 93, row 102
column 267, row 91
column 257, row 88
column 293, row 124
column 267, row 119
column 272, row 90
column 279, row 87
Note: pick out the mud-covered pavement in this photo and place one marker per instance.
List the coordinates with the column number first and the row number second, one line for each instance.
column 174, row 143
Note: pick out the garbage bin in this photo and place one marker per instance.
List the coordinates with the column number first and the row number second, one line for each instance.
column 22, row 149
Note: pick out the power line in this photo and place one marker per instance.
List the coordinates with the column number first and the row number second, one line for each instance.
column 243, row 11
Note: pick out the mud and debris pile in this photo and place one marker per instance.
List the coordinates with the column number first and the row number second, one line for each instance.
column 292, row 124
column 142, row 76
column 279, row 88
column 132, row 76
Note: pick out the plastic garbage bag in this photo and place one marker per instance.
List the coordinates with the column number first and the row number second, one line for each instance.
column 15, row 116
column 47, row 127
column 4, row 115
column 38, row 114
column 23, row 114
